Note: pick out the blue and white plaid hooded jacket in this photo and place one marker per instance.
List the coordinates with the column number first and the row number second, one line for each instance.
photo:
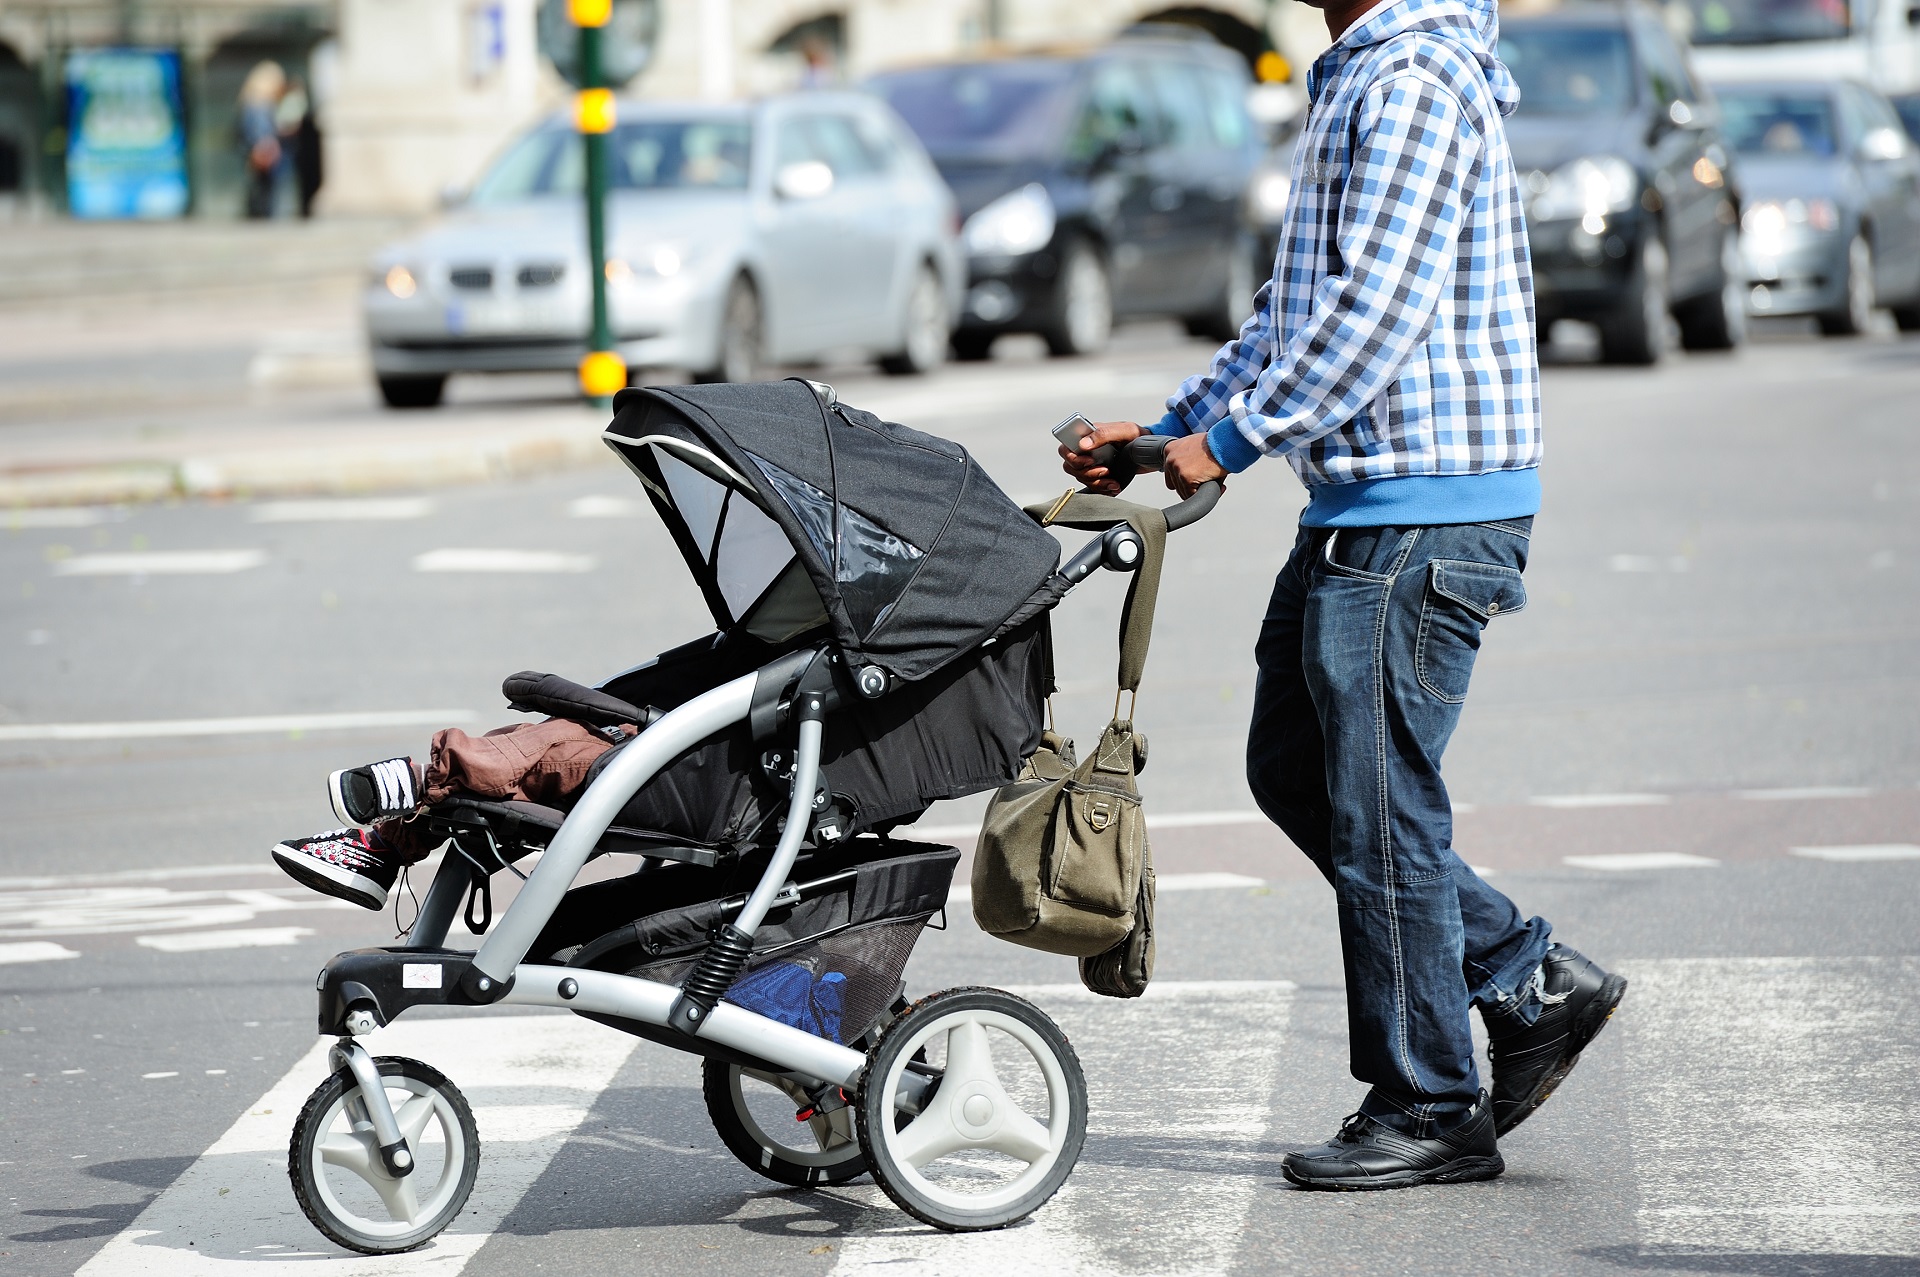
column 1391, row 358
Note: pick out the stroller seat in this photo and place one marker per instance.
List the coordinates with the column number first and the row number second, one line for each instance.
column 496, row 832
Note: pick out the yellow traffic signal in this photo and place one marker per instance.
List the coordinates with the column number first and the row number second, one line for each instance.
column 602, row 373
column 593, row 111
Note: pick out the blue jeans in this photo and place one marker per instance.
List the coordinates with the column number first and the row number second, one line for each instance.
column 1364, row 658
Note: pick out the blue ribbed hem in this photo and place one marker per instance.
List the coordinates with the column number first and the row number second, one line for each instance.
column 1230, row 447
column 1423, row 499
column 1168, row 425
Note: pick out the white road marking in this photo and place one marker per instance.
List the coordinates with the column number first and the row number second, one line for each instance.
column 1861, row 852
column 94, row 911
column 502, row 561
column 1628, row 861
column 161, row 563
column 1162, row 883
column 71, row 516
column 530, row 1079
column 600, row 506
column 34, row 951
column 138, row 875
column 1570, row 802
column 341, row 510
column 1803, row 792
column 1774, row 1105
column 262, row 724
column 1176, row 1116
column 1155, row 820
column 239, row 938
column 155, row 1077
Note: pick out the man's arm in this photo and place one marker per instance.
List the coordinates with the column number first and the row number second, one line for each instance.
column 1202, row 398
column 1415, row 166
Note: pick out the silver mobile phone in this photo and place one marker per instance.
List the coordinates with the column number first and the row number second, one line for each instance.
column 1071, row 431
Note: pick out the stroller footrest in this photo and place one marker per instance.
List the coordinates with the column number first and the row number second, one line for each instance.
column 387, row 982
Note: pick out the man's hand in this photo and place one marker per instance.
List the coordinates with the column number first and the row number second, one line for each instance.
column 1189, row 464
column 1092, row 474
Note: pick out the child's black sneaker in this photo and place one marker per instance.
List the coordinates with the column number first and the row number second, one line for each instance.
column 347, row 863
column 365, row 796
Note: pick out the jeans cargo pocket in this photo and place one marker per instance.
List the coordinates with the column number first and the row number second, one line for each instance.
column 1462, row 596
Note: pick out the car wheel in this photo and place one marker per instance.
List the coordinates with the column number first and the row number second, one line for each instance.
column 1638, row 330
column 924, row 342
column 1857, row 310
column 741, row 336
column 1718, row 321
column 1221, row 321
column 413, row 392
column 1083, row 305
column 972, row 345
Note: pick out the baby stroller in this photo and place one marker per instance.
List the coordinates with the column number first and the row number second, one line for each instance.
column 882, row 643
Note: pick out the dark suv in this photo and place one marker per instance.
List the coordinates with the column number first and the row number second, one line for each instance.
column 1108, row 184
column 1632, row 210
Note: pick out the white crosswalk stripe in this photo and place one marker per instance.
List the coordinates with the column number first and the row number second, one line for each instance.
column 530, row 1079
column 1775, row 1101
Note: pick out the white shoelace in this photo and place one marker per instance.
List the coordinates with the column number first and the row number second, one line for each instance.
column 395, row 780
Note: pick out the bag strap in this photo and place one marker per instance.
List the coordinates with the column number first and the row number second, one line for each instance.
column 1094, row 512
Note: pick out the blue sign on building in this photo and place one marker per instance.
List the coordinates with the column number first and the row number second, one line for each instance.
column 126, row 134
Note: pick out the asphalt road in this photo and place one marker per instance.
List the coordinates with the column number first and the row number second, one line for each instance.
column 1710, row 705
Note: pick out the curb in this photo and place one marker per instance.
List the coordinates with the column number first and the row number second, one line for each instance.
column 309, row 471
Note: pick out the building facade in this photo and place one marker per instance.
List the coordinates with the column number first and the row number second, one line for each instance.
column 413, row 96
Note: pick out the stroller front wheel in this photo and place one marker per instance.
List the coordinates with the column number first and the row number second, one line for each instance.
column 972, row 1109
column 774, row 1127
column 340, row 1179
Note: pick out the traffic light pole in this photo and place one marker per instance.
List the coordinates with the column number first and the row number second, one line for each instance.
column 602, row 371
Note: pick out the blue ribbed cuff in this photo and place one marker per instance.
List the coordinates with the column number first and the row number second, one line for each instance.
column 1169, row 425
column 1230, row 447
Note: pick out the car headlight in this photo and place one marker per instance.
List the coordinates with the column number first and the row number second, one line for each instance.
column 1769, row 224
column 1267, row 197
column 1018, row 222
column 1588, row 188
column 663, row 261
column 397, row 280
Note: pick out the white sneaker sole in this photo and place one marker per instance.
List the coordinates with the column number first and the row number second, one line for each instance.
column 330, row 880
column 339, row 800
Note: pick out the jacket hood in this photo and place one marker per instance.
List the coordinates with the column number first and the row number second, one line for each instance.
column 1472, row 24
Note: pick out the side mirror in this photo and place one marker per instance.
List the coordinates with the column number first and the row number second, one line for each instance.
column 803, row 180
column 1680, row 113
column 1883, row 144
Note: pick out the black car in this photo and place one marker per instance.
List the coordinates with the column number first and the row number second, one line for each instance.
column 1632, row 210
column 1107, row 184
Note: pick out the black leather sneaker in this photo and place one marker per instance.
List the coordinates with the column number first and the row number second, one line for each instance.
column 1366, row 1156
column 1530, row 1061
column 343, row 863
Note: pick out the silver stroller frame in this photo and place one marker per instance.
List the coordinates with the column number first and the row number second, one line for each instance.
column 907, row 1114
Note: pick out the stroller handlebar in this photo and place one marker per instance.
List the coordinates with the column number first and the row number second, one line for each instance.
column 1149, row 452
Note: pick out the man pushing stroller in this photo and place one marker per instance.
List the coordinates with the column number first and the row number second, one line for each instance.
column 1392, row 361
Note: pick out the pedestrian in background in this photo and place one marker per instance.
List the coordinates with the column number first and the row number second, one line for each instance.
column 1391, row 360
column 261, row 149
column 300, row 140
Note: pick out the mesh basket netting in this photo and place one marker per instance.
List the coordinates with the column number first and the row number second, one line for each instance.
column 829, row 963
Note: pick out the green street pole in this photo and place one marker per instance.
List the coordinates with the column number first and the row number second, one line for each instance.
column 602, row 371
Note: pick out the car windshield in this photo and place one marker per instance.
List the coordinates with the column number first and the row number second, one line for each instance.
column 1569, row 70
column 1758, row 122
column 1010, row 109
column 644, row 155
column 1768, row 21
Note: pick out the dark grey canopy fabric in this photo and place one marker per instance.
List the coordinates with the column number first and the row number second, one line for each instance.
column 896, row 541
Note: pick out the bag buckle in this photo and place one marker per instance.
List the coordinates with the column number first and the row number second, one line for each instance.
column 1100, row 815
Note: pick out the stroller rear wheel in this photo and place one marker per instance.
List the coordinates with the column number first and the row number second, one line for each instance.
column 341, row 1181
column 773, row 1126
column 972, row 1109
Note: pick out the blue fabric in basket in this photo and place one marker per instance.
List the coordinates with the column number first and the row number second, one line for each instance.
column 789, row 992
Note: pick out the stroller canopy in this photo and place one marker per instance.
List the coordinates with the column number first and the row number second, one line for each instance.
column 794, row 514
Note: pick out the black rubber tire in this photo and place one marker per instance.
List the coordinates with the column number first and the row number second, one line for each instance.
column 1907, row 318
column 1221, row 321
column 1636, row 331
column 872, row 1109
column 717, row 1080
column 1718, row 321
column 742, row 336
column 1081, row 322
column 926, row 350
column 1851, row 319
column 412, row 392
column 300, row 1168
column 970, row 345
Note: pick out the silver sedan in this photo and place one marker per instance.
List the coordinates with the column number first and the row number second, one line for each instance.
column 738, row 237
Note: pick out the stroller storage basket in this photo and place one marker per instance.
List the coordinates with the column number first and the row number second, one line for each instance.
column 829, row 957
